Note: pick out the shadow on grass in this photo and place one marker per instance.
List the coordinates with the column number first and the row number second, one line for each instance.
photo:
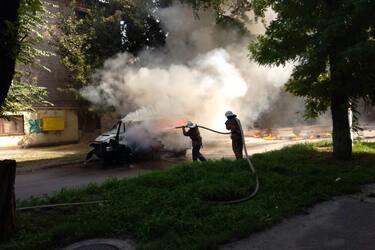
column 167, row 210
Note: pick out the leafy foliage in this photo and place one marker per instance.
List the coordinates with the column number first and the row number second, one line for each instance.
column 86, row 40
column 105, row 29
column 24, row 92
column 72, row 45
column 32, row 21
column 22, row 96
column 332, row 46
column 223, row 7
column 331, row 43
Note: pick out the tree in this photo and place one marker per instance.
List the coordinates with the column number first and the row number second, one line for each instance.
column 107, row 28
column 72, row 45
column 9, row 44
column 24, row 92
column 229, row 8
column 332, row 45
column 21, row 97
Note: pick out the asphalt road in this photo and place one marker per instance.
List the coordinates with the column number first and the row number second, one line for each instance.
column 46, row 181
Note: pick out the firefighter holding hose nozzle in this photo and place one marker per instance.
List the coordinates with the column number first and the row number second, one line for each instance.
column 233, row 125
column 196, row 140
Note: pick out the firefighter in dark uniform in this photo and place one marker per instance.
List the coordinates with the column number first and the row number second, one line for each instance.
column 196, row 140
column 236, row 136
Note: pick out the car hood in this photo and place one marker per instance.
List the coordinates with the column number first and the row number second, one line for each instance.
column 105, row 137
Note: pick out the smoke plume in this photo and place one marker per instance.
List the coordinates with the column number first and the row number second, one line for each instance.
column 203, row 71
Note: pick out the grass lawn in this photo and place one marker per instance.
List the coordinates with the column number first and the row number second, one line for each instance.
column 169, row 209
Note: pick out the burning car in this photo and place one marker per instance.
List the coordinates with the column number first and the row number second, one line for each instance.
column 140, row 139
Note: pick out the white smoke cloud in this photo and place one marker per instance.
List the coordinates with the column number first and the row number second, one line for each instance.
column 202, row 72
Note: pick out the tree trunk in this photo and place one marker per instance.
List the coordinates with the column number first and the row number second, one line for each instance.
column 341, row 136
column 341, row 127
column 9, row 45
column 7, row 199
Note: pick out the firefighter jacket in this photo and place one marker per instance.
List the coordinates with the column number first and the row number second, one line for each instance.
column 232, row 125
column 194, row 135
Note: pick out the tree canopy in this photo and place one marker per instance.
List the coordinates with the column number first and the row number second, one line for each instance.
column 9, row 45
column 309, row 33
column 109, row 27
column 105, row 29
column 231, row 8
column 332, row 45
column 24, row 91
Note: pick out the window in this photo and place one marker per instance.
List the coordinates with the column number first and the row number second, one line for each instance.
column 12, row 126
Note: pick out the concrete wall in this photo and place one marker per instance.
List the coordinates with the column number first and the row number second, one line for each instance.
column 32, row 137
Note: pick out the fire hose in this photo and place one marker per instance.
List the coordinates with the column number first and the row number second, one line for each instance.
column 213, row 202
column 252, row 168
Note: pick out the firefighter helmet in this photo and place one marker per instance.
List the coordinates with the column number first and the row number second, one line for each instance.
column 189, row 124
column 229, row 114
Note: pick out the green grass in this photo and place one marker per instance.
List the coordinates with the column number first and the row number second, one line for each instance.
column 169, row 209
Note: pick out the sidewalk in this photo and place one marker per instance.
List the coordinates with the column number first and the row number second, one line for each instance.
column 43, row 157
column 346, row 222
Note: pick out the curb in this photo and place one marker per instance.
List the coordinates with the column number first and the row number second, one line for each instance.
column 101, row 243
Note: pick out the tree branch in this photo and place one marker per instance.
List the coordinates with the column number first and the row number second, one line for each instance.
column 23, row 38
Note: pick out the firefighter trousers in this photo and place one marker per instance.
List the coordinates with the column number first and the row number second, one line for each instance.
column 237, row 146
column 196, row 154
